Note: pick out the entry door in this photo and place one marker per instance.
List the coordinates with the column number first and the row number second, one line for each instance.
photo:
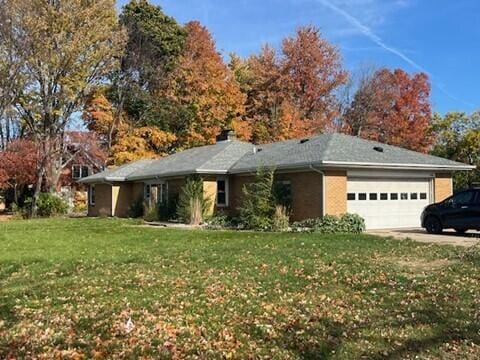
column 388, row 203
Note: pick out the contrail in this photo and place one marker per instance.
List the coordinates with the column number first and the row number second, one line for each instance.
column 365, row 30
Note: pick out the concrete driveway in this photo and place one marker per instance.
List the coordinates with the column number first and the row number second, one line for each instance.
column 448, row 237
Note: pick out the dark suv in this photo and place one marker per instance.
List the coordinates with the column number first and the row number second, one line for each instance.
column 460, row 212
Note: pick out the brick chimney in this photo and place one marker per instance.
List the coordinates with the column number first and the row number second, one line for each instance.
column 226, row 135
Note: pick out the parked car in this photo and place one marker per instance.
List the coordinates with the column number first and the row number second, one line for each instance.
column 460, row 212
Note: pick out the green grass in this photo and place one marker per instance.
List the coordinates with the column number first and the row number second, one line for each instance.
column 69, row 286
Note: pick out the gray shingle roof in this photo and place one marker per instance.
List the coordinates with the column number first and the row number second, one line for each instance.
column 236, row 157
column 336, row 148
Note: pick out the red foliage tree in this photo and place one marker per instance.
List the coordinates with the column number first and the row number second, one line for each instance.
column 18, row 165
column 392, row 107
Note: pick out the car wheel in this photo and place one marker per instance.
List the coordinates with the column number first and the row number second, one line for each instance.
column 433, row 225
column 461, row 231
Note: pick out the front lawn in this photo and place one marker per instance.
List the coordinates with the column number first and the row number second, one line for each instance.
column 68, row 288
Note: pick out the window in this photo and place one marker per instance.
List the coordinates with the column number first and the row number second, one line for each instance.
column 404, row 196
column 393, row 196
column 413, row 196
column 91, row 195
column 222, row 196
column 383, row 196
column 423, row 196
column 76, row 171
column 463, row 198
column 146, row 191
column 373, row 196
column 162, row 193
column 80, row 171
column 283, row 193
column 362, row 196
column 351, row 196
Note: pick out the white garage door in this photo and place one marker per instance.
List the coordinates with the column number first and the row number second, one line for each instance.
column 388, row 203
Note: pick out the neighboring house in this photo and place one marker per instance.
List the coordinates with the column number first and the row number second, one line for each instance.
column 83, row 157
column 326, row 174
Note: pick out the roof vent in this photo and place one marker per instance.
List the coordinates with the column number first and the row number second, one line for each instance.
column 303, row 141
column 378, row 148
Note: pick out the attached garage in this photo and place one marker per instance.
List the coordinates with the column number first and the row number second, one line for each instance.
column 389, row 202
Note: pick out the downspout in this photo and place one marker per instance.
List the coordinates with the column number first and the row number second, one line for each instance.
column 323, row 186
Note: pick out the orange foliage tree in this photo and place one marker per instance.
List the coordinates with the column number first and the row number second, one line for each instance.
column 203, row 90
column 126, row 141
column 292, row 94
column 392, row 107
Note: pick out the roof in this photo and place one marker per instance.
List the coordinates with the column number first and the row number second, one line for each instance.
column 211, row 159
column 340, row 150
column 327, row 150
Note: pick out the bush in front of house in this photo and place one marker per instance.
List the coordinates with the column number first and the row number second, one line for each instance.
column 221, row 222
column 258, row 207
column 192, row 207
column 49, row 205
column 330, row 224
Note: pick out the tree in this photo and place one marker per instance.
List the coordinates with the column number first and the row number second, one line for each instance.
column 63, row 48
column 292, row 94
column 155, row 42
column 204, row 91
column 392, row 107
column 125, row 140
column 457, row 137
column 18, row 164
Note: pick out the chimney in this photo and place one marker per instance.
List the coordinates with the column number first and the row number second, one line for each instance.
column 226, row 135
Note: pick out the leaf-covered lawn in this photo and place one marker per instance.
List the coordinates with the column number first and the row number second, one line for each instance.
column 105, row 288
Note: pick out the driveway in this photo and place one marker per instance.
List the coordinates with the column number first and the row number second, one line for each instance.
column 448, row 237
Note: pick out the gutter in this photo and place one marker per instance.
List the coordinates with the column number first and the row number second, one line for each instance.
column 322, row 173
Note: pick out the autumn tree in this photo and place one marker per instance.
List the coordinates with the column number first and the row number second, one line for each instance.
column 292, row 94
column 392, row 107
column 63, row 48
column 202, row 88
column 127, row 141
column 18, row 164
column 457, row 137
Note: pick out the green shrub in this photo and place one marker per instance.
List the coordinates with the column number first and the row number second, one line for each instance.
column 48, row 205
column 330, row 224
column 222, row 221
column 136, row 210
column 150, row 213
column 167, row 210
column 192, row 205
column 258, row 207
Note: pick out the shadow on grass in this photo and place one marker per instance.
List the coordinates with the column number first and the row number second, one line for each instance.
column 324, row 338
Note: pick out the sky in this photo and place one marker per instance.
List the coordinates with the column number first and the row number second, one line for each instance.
column 439, row 37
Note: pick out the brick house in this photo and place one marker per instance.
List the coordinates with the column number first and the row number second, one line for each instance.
column 326, row 174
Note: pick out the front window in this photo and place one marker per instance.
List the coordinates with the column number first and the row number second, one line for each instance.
column 222, row 192
column 80, row 171
column 146, row 192
column 91, row 194
column 162, row 196
column 283, row 193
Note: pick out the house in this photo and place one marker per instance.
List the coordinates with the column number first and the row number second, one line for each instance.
column 326, row 174
column 83, row 156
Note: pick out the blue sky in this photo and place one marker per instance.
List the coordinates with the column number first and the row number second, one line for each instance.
column 441, row 37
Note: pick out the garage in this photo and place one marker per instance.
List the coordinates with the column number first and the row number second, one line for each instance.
column 388, row 203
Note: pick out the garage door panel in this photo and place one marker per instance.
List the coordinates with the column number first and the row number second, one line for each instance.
column 404, row 202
